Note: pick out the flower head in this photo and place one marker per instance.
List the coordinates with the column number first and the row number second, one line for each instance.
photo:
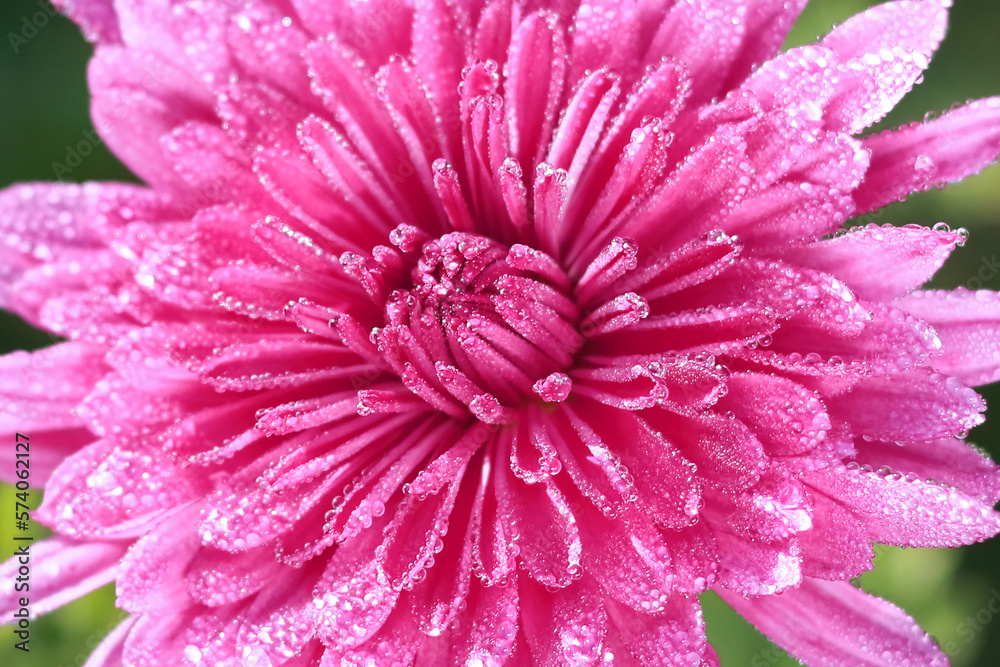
column 493, row 333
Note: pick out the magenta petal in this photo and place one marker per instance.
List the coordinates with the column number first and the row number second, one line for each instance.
column 833, row 623
column 921, row 155
column 61, row 571
column 968, row 324
column 533, row 95
column 674, row 637
column 567, row 627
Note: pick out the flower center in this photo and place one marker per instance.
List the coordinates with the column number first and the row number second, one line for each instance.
column 483, row 324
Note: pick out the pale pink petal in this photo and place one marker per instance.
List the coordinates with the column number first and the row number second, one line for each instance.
column 97, row 18
column 968, row 323
column 833, row 623
column 138, row 98
column 59, row 570
column 110, row 652
column 916, row 25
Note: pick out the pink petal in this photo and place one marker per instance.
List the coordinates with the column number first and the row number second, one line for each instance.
column 96, row 18
column 833, row 623
column 186, row 33
column 110, row 652
column 969, row 326
column 605, row 34
column 879, row 262
column 212, row 164
column 42, row 222
column 216, row 578
column 755, row 568
column 788, row 212
column 694, row 196
column 396, row 642
column 151, row 575
column 921, row 155
column 353, row 599
column 660, row 476
column 838, row 547
column 918, row 26
column 105, row 491
column 278, row 623
column 725, row 451
column 630, row 561
column 872, row 84
column 948, row 460
column 705, row 36
column 297, row 185
column 547, row 536
column 365, row 122
column 44, row 387
column 921, row 514
column 786, row 417
column 582, row 122
column 61, row 570
column 493, row 612
column 131, row 115
column 918, row 405
column 267, row 49
column 440, row 32
column 767, row 24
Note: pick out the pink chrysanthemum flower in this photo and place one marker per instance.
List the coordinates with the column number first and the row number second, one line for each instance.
column 493, row 333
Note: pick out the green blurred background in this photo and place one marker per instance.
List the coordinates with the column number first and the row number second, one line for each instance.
column 44, row 112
